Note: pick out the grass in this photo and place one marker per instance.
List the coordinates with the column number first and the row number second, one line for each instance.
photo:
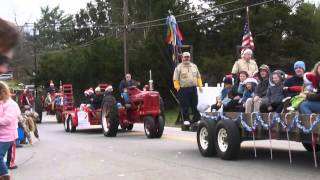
column 171, row 117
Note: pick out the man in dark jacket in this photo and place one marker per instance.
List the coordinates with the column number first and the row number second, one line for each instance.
column 253, row 104
column 292, row 86
column 97, row 99
column 124, row 84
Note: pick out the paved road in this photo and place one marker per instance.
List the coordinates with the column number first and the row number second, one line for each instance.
column 88, row 155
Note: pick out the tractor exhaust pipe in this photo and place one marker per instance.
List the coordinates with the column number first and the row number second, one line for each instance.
column 150, row 81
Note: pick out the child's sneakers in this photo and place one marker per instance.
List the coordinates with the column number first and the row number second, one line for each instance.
column 290, row 108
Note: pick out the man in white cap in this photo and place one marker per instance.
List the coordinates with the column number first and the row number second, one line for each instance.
column 246, row 63
column 186, row 78
column 108, row 99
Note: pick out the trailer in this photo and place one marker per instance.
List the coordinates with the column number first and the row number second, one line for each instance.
column 222, row 133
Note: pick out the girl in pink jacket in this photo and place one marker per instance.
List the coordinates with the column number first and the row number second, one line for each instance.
column 9, row 113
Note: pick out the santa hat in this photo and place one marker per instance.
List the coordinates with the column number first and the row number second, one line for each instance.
column 310, row 78
column 98, row 89
column 109, row 89
column 245, row 51
column 86, row 92
column 228, row 79
column 90, row 91
column 251, row 80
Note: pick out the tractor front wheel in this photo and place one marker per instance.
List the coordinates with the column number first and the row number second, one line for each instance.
column 150, row 127
column 160, row 126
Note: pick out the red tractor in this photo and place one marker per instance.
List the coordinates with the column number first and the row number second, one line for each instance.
column 145, row 107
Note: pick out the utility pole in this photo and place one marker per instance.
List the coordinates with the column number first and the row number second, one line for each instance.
column 35, row 61
column 125, row 28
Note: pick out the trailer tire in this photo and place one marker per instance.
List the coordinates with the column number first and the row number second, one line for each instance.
column 72, row 127
column 66, row 125
column 205, row 138
column 227, row 139
column 309, row 148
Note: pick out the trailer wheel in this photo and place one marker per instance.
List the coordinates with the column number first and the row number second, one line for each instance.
column 150, row 127
column 160, row 123
column 66, row 124
column 109, row 121
column 72, row 127
column 309, row 148
column 205, row 138
column 129, row 127
column 227, row 139
column 58, row 116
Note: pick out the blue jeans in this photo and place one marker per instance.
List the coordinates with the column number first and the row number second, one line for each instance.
column 4, row 147
column 125, row 97
column 309, row 107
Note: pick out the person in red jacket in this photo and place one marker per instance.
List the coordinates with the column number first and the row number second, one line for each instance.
column 26, row 100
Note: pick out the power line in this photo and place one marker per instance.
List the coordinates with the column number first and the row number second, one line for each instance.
column 111, row 25
column 209, row 15
column 179, row 15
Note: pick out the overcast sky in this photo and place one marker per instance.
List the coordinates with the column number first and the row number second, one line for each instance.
column 29, row 10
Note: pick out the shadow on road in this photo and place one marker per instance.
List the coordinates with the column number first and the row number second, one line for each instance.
column 300, row 159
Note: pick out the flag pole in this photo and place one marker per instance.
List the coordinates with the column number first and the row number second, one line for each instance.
column 247, row 9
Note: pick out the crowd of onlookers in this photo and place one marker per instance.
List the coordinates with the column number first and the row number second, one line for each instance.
column 252, row 89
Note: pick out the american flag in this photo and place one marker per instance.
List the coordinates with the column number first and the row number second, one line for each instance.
column 247, row 40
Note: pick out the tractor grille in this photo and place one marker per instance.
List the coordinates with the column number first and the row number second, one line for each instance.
column 151, row 103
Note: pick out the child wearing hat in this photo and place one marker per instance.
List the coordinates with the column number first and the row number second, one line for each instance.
column 275, row 95
column 223, row 99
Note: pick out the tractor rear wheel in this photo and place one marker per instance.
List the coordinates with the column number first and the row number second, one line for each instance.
column 150, row 127
column 109, row 121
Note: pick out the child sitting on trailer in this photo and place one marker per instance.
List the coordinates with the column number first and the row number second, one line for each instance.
column 309, row 84
column 223, row 99
column 250, row 85
column 275, row 95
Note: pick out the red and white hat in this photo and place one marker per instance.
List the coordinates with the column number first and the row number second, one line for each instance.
column 250, row 80
column 310, row 78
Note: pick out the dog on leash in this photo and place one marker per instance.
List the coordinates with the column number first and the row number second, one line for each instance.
column 28, row 123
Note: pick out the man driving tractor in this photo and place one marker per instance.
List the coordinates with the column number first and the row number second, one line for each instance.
column 124, row 84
